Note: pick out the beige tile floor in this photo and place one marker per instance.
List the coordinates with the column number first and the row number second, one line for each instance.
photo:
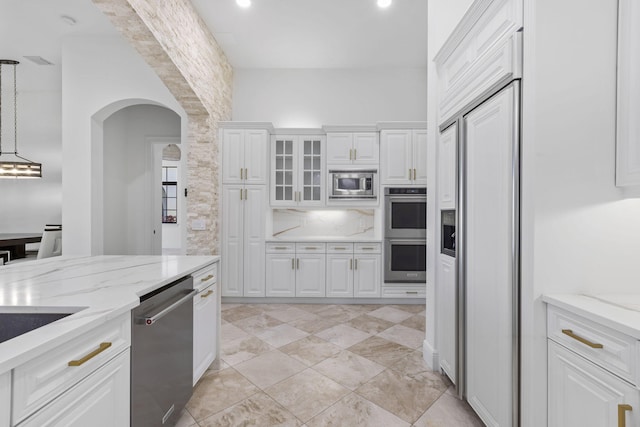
column 312, row 365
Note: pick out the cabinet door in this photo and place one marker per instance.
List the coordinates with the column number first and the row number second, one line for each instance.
column 395, row 160
column 310, row 181
column 581, row 394
column 205, row 313
column 232, row 240
column 366, row 279
column 339, row 148
column 255, row 156
column 283, row 171
column 446, row 280
column 232, row 156
column 254, row 229
column 447, row 167
column 366, row 150
column 5, row 398
column 281, row 275
column 340, row 275
column 420, row 157
column 100, row 400
column 310, row 275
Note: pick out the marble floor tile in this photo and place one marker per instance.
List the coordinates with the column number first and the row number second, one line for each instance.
column 410, row 308
column 416, row 322
column 381, row 351
column 186, row 420
column 217, row 391
column 259, row 410
column 226, row 306
column 281, row 335
column 269, row 368
column 240, row 312
column 354, row 411
column 243, row 349
column 290, row 313
column 338, row 313
column 403, row 335
column 310, row 350
column 390, row 314
column 402, row 396
column 230, row 332
column 307, row 393
column 448, row 411
column 413, row 366
column 315, row 324
column 313, row 308
column 370, row 324
column 343, row 336
column 257, row 323
column 349, row 369
column 217, row 366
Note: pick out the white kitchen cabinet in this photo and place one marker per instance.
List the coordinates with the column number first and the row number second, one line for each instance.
column 205, row 318
column 403, row 156
column 353, row 148
column 243, row 228
column 281, row 274
column 244, row 156
column 5, row 399
column 101, row 400
column 582, row 394
column 297, row 170
column 310, row 274
column 352, row 274
column 366, row 277
column 340, row 275
column 447, row 315
column 447, row 167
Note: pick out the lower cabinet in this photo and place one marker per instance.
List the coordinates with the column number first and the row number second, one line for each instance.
column 5, row 399
column 582, row 394
column 295, row 270
column 100, row 400
column 205, row 318
column 310, row 274
column 447, row 315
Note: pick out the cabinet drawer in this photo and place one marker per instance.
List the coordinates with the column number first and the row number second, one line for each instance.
column 205, row 277
column 340, row 248
column 204, row 296
column 404, row 292
column 274, row 248
column 368, row 248
column 603, row 346
column 40, row 380
column 302, row 248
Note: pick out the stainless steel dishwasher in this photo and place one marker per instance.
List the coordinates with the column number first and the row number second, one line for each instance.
column 162, row 354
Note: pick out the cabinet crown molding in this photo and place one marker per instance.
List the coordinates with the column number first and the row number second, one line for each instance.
column 298, row 131
column 268, row 126
column 401, row 125
column 349, row 128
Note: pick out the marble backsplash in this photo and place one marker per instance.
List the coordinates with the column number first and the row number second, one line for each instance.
column 295, row 223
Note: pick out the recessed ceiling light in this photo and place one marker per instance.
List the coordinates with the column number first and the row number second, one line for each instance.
column 244, row 3
column 384, row 3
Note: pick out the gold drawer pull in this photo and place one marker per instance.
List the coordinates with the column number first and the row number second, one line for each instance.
column 209, row 292
column 340, row 249
column 204, row 279
column 310, row 247
column 94, row 353
column 367, row 249
column 280, row 247
column 412, row 292
column 582, row 340
column 622, row 416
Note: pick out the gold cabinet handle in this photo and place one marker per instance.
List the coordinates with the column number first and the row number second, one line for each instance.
column 340, row 248
column 310, row 247
column 241, row 173
column 414, row 175
column 103, row 346
column 367, row 248
column 293, row 263
column 298, row 263
column 584, row 341
column 241, row 194
column 246, row 173
column 622, row 416
column 355, row 154
column 246, row 194
column 280, row 247
column 350, row 154
column 351, row 264
column 409, row 174
column 209, row 292
column 355, row 264
column 411, row 292
column 204, row 279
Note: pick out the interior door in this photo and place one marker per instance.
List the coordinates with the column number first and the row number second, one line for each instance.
column 490, row 256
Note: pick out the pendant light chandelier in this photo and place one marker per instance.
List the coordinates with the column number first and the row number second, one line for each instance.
column 11, row 164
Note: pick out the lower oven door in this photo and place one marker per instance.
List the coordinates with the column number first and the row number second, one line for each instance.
column 405, row 261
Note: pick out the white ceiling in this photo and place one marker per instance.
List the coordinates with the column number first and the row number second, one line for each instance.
column 269, row 34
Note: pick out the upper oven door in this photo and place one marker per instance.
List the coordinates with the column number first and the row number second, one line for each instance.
column 406, row 217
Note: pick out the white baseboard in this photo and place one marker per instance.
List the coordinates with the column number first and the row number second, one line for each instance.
column 430, row 356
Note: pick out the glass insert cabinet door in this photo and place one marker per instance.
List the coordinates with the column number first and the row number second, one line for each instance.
column 297, row 176
column 284, row 170
column 311, row 169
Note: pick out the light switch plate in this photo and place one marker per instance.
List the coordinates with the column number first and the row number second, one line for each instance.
column 198, row 224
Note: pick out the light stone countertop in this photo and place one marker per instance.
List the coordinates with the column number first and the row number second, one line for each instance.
column 617, row 311
column 100, row 288
column 323, row 239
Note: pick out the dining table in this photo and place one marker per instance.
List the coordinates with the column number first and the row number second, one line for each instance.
column 16, row 243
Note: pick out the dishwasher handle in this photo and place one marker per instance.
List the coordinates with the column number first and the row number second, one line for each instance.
column 150, row 320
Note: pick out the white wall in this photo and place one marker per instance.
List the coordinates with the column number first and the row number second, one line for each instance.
column 99, row 76
column 127, row 174
column 26, row 205
column 443, row 17
column 580, row 233
column 312, row 98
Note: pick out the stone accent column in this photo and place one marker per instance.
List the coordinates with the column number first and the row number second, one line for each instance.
column 176, row 43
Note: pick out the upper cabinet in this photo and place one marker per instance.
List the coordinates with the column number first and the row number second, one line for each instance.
column 628, row 125
column 353, row 148
column 447, row 167
column 404, row 156
column 297, row 171
column 245, row 153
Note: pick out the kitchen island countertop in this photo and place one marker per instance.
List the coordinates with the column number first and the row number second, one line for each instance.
column 96, row 289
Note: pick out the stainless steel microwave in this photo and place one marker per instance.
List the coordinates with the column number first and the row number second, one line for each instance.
column 353, row 184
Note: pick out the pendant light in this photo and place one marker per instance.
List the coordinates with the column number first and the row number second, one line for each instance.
column 11, row 164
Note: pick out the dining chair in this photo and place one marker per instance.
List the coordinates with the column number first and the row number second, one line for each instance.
column 51, row 244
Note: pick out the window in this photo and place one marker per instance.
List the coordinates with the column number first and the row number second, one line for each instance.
column 169, row 194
